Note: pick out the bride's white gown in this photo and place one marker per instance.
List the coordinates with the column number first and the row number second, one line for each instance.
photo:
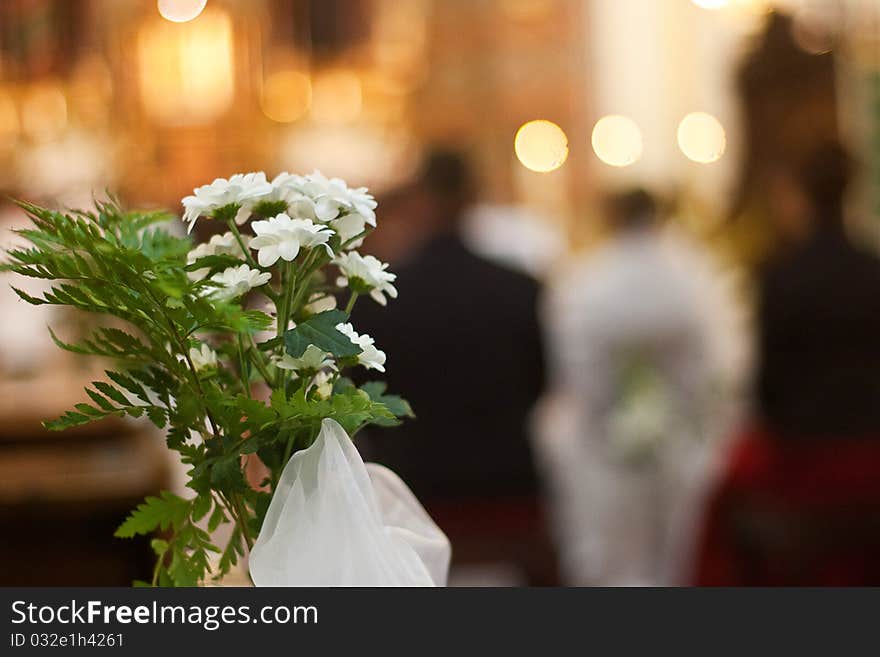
column 620, row 521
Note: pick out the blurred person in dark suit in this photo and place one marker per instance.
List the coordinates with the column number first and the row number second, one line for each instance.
column 475, row 326
column 467, row 354
column 819, row 313
column 800, row 499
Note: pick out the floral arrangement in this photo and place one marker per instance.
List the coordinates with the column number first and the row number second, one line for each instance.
column 236, row 347
column 642, row 416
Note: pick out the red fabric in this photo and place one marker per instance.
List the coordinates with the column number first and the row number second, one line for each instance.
column 794, row 513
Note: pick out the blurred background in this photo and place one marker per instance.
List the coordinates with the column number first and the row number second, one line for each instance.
column 615, row 212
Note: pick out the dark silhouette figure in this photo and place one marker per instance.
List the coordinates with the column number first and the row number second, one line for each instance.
column 789, row 107
column 819, row 319
column 464, row 348
column 799, row 502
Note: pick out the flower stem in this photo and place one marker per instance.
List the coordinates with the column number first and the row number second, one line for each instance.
column 242, row 361
column 351, row 300
column 243, row 520
column 309, row 266
column 288, row 283
column 287, row 450
column 159, row 561
column 257, row 359
column 360, row 235
column 181, row 345
column 244, row 249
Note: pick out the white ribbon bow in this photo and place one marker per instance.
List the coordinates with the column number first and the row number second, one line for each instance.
column 334, row 521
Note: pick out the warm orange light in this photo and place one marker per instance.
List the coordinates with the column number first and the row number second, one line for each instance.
column 89, row 90
column 336, row 97
column 286, row 96
column 186, row 70
column 44, row 111
column 541, row 146
column 8, row 119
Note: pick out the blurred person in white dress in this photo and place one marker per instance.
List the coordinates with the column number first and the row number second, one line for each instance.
column 643, row 355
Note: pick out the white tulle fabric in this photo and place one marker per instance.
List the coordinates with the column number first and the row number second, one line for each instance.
column 335, row 521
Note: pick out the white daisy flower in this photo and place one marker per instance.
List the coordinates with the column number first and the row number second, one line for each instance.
column 366, row 273
column 286, row 195
column 370, row 357
column 348, row 226
column 235, row 281
column 202, row 358
column 313, row 359
column 333, row 197
column 224, row 244
column 235, row 192
column 287, row 185
column 283, row 237
column 323, row 383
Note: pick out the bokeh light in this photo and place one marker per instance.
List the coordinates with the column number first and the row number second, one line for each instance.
column 44, row 111
column 286, row 96
column 617, row 140
column 541, row 146
column 180, row 11
column 701, row 137
column 186, row 72
column 337, row 97
column 710, row 4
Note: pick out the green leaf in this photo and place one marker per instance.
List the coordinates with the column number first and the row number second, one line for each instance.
column 201, row 506
column 395, row 404
column 129, row 384
column 85, row 409
column 101, row 401
column 111, row 392
column 270, row 344
column 185, row 570
column 226, row 474
column 261, row 506
column 68, row 420
column 157, row 416
column 213, row 262
column 257, row 320
column 230, row 554
column 218, row 517
column 26, row 297
column 320, row 330
column 163, row 512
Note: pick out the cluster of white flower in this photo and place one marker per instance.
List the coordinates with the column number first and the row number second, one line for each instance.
column 236, row 194
column 313, row 359
column 330, row 201
column 366, row 273
column 235, row 281
column 203, row 358
column 370, row 357
column 283, row 237
column 225, row 244
column 293, row 214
